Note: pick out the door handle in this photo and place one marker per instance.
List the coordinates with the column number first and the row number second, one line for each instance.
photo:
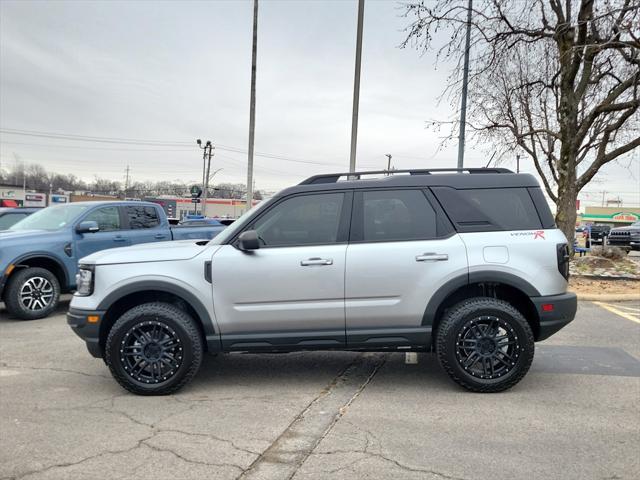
column 316, row 261
column 160, row 235
column 432, row 257
column 119, row 238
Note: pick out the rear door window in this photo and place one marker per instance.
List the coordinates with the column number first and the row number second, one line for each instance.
column 142, row 217
column 393, row 216
column 488, row 209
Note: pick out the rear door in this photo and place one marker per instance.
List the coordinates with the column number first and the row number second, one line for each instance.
column 110, row 235
column 401, row 251
column 144, row 225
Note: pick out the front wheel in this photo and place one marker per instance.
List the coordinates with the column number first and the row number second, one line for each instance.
column 32, row 293
column 485, row 344
column 154, row 349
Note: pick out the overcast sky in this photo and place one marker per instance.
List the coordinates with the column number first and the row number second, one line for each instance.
column 176, row 71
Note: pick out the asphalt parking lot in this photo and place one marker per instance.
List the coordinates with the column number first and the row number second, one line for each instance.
column 576, row 415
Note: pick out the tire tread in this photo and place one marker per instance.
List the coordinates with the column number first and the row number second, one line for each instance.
column 458, row 312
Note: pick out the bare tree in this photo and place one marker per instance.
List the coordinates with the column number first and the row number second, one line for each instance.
column 555, row 79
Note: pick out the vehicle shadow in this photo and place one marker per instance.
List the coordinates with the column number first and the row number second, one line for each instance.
column 63, row 306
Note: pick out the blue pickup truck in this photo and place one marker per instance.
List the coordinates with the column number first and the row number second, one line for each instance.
column 39, row 255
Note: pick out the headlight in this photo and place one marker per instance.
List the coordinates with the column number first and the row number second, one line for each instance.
column 84, row 280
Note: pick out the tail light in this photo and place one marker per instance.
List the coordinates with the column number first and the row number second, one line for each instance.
column 562, row 250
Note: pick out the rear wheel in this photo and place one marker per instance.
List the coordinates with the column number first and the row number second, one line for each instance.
column 32, row 293
column 154, row 349
column 485, row 344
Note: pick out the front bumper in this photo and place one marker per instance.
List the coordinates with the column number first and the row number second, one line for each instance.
column 552, row 319
column 89, row 331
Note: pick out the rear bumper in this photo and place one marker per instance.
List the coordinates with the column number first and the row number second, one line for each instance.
column 87, row 331
column 554, row 318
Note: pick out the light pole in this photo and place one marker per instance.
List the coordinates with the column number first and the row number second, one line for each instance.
column 252, row 106
column 465, row 82
column 356, row 89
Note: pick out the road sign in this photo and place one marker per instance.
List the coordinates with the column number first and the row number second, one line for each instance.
column 195, row 200
column 196, row 191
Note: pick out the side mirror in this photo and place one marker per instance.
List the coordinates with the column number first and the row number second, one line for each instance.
column 248, row 241
column 88, row 226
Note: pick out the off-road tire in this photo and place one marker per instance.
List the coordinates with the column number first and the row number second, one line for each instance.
column 18, row 280
column 454, row 324
column 171, row 319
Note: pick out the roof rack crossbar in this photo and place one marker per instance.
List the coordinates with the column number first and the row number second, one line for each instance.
column 334, row 177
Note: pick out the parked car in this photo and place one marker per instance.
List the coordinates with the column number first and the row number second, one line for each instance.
column 39, row 255
column 598, row 233
column 634, row 241
column 200, row 221
column 11, row 216
column 470, row 265
column 621, row 236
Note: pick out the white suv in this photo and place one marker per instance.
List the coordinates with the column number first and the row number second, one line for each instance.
column 467, row 263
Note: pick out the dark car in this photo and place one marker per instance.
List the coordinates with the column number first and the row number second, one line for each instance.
column 621, row 236
column 599, row 233
column 11, row 216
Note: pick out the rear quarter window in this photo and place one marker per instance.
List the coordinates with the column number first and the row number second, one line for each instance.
column 489, row 209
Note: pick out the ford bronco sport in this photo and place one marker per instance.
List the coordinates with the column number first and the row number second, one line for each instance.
column 467, row 263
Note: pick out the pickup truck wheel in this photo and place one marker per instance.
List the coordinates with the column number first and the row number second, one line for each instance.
column 32, row 293
column 485, row 344
column 154, row 349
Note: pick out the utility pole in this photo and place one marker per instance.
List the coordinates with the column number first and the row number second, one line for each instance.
column 465, row 82
column 518, row 163
column 126, row 181
column 356, row 89
column 252, row 107
column 206, row 182
column 603, row 194
column 207, row 153
column 388, row 155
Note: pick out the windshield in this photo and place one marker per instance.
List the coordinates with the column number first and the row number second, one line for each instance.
column 232, row 229
column 51, row 218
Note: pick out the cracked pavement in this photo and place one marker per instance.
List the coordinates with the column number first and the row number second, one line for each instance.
column 322, row 414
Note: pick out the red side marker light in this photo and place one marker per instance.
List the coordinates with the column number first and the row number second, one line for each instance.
column 547, row 307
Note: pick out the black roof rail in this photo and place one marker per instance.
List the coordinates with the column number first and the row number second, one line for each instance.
column 334, row 177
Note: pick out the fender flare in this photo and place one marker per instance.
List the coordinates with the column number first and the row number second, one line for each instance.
column 157, row 285
column 48, row 256
column 455, row 283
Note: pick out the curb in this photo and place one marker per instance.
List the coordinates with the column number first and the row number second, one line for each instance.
column 606, row 277
column 607, row 297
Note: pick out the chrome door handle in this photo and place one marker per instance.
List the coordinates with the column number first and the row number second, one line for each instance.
column 119, row 238
column 316, row 261
column 432, row 257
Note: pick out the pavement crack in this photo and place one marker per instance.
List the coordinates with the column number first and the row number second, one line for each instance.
column 53, row 369
column 209, row 436
column 189, row 460
column 78, row 462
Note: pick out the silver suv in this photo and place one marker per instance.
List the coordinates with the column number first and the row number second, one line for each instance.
column 467, row 263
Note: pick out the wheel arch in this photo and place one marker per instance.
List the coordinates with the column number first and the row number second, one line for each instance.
column 46, row 261
column 501, row 285
column 128, row 296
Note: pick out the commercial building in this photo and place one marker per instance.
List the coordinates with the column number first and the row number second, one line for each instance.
column 177, row 207
column 612, row 216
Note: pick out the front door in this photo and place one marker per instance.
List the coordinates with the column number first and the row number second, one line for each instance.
column 290, row 292
column 110, row 234
column 400, row 253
